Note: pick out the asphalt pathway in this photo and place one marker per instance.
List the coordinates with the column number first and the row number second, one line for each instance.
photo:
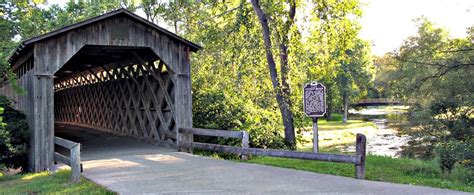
column 127, row 166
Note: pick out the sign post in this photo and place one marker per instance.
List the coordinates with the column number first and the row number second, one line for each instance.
column 314, row 104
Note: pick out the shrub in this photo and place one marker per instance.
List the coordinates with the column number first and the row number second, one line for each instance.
column 444, row 128
column 14, row 136
column 336, row 117
column 213, row 109
column 455, row 152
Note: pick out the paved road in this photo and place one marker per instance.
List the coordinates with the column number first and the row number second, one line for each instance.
column 131, row 167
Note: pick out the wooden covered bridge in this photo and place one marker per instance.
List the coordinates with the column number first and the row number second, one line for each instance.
column 116, row 72
column 121, row 74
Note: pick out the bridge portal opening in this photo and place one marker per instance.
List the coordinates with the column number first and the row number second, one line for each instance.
column 118, row 90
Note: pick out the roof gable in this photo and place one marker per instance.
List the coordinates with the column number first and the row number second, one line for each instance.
column 120, row 12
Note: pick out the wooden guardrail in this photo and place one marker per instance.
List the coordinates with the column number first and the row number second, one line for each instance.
column 216, row 133
column 358, row 159
column 74, row 160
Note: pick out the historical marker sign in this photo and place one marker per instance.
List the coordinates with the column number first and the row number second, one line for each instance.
column 314, row 99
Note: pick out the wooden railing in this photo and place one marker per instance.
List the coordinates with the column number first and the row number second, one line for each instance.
column 358, row 159
column 216, row 133
column 74, row 160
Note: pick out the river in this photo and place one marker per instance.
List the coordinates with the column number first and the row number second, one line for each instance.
column 385, row 141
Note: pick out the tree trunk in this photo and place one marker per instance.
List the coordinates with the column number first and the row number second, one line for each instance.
column 345, row 100
column 282, row 94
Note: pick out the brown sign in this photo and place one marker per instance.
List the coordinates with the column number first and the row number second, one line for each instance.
column 314, row 99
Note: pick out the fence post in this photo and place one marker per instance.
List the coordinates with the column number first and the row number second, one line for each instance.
column 360, row 151
column 245, row 144
column 76, row 163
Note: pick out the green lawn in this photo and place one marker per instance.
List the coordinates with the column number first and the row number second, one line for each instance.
column 324, row 125
column 336, row 133
column 404, row 171
column 48, row 183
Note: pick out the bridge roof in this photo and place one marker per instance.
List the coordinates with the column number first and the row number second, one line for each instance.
column 27, row 44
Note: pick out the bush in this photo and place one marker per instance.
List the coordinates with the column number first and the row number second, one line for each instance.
column 214, row 110
column 455, row 152
column 336, row 117
column 443, row 128
column 14, row 137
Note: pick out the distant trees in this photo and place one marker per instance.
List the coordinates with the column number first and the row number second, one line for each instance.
column 355, row 74
column 435, row 73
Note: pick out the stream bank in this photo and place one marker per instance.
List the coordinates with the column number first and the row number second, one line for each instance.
column 385, row 141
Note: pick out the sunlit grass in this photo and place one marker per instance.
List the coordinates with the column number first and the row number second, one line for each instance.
column 48, row 183
column 335, row 133
column 379, row 168
column 324, row 125
column 32, row 176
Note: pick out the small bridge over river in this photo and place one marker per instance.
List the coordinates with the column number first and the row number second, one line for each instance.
column 377, row 102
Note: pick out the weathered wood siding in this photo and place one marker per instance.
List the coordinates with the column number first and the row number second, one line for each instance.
column 52, row 53
column 58, row 50
column 25, row 102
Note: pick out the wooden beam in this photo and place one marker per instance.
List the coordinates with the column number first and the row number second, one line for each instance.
column 22, row 60
column 74, row 160
column 245, row 144
column 62, row 159
column 65, row 143
column 212, row 132
column 360, row 151
column 76, row 163
column 274, row 153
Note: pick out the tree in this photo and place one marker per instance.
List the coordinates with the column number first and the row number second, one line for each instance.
column 234, row 59
column 355, row 73
column 333, row 33
column 434, row 73
column 282, row 89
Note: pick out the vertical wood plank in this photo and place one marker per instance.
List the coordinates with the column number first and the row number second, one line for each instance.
column 43, row 107
column 360, row 151
column 182, row 95
column 76, row 163
column 245, row 144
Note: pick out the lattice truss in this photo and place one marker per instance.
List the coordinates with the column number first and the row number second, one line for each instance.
column 133, row 99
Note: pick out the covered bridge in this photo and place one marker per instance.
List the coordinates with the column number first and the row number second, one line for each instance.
column 116, row 72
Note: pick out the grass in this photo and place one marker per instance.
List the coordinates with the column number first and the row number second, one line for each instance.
column 324, row 125
column 48, row 183
column 336, row 133
column 379, row 168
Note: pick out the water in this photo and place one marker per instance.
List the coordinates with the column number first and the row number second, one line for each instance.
column 385, row 141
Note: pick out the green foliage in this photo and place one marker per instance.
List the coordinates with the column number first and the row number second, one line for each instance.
column 48, row 183
column 14, row 137
column 230, row 75
column 211, row 109
column 434, row 72
column 233, row 59
column 455, row 152
column 336, row 117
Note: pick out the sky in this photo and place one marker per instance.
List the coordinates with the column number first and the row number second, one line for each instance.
column 386, row 23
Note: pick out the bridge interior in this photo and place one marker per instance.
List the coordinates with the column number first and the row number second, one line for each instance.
column 116, row 89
